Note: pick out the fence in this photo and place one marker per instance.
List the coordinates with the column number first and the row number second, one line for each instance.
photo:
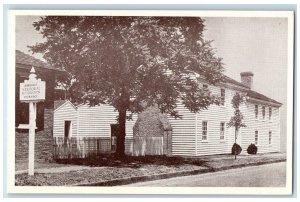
column 65, row 148
column 143, row 145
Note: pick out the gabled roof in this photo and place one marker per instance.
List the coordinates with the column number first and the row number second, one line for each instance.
column 22, row 58
column 60, row 103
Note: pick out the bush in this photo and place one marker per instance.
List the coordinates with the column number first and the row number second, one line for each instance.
column 236, row 149
column 252, row 149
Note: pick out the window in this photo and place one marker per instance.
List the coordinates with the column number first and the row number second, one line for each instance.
column 263, row 112
column 205, row 86
column 270, row 137
column 270, row 113
column 204, row 130
column 256, row 111
column 222, row 96
column 222, row 130
column 256, row 137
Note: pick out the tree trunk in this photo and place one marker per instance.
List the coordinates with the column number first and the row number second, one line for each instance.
column 235, row 131
column 122, row 109
column 120, row 151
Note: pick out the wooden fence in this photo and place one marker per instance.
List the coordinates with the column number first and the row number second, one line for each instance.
column 138, row 146
column 143, row 145
column 80, row 148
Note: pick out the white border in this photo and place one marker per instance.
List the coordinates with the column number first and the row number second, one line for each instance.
column 11, row 188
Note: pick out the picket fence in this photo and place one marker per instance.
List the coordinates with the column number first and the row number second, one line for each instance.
column 65, row 148
column 85, row 147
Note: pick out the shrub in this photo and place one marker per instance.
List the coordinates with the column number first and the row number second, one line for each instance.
column 252, row 149
column 236, row 149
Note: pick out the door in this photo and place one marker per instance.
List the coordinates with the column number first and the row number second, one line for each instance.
column 114, row 134
column 67, row 132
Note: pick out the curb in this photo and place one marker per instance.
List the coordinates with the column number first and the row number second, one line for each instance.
column 131, row 180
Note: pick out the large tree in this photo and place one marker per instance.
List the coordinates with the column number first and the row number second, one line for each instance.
column 132, row 62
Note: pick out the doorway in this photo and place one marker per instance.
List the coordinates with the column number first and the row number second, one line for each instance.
column 67, row 132
column 114, row 134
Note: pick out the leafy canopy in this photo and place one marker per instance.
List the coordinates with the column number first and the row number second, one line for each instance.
column 132, row 62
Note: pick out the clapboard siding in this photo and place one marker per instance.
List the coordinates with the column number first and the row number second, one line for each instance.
column 214, row 115
column 263, row 126
column 187, row 132
column 67, row 112
column 183, row 132
column 91, row 122
column 95, row 121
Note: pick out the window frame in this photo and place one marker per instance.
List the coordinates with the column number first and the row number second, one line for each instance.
column 222, row 131
column 256, row 138
column 256, row 111
column 223, row 94
column 204, row 130
column 263, row 112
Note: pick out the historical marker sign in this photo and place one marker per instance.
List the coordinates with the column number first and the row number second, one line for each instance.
column 32, row 91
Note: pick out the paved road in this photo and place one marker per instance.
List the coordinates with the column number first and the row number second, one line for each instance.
column 269, row 175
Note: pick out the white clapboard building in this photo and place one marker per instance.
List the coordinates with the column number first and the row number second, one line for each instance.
column 82, row 130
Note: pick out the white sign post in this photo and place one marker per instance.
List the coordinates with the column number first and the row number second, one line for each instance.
column 32, row 91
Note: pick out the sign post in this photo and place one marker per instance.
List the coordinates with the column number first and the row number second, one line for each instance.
column 32, row 91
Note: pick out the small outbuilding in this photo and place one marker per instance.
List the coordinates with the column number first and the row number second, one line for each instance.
column 82, row 130
column 152, row 134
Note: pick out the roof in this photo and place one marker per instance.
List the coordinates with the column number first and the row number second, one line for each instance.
column 232, row 81
column 22, row 58
column 256, row 95
column 59, row 103
column 251, row 93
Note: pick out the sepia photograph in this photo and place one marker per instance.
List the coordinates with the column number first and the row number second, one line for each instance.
column 150, row 102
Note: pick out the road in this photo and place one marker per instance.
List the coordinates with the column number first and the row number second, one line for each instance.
column 269, row 175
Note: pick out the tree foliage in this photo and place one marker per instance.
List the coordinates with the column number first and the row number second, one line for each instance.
column 132, row 62
column 237, row 119
column 106, row 55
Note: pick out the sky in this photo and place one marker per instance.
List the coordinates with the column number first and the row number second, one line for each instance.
column 245, row 44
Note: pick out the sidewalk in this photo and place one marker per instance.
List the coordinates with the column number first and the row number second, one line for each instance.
column 74, row 175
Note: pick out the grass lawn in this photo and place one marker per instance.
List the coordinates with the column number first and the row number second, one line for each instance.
column 106, row 168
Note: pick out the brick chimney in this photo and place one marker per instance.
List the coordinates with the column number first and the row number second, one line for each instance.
column 247, row 79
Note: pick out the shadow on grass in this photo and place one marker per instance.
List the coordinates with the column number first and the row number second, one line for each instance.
column 100, row 160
